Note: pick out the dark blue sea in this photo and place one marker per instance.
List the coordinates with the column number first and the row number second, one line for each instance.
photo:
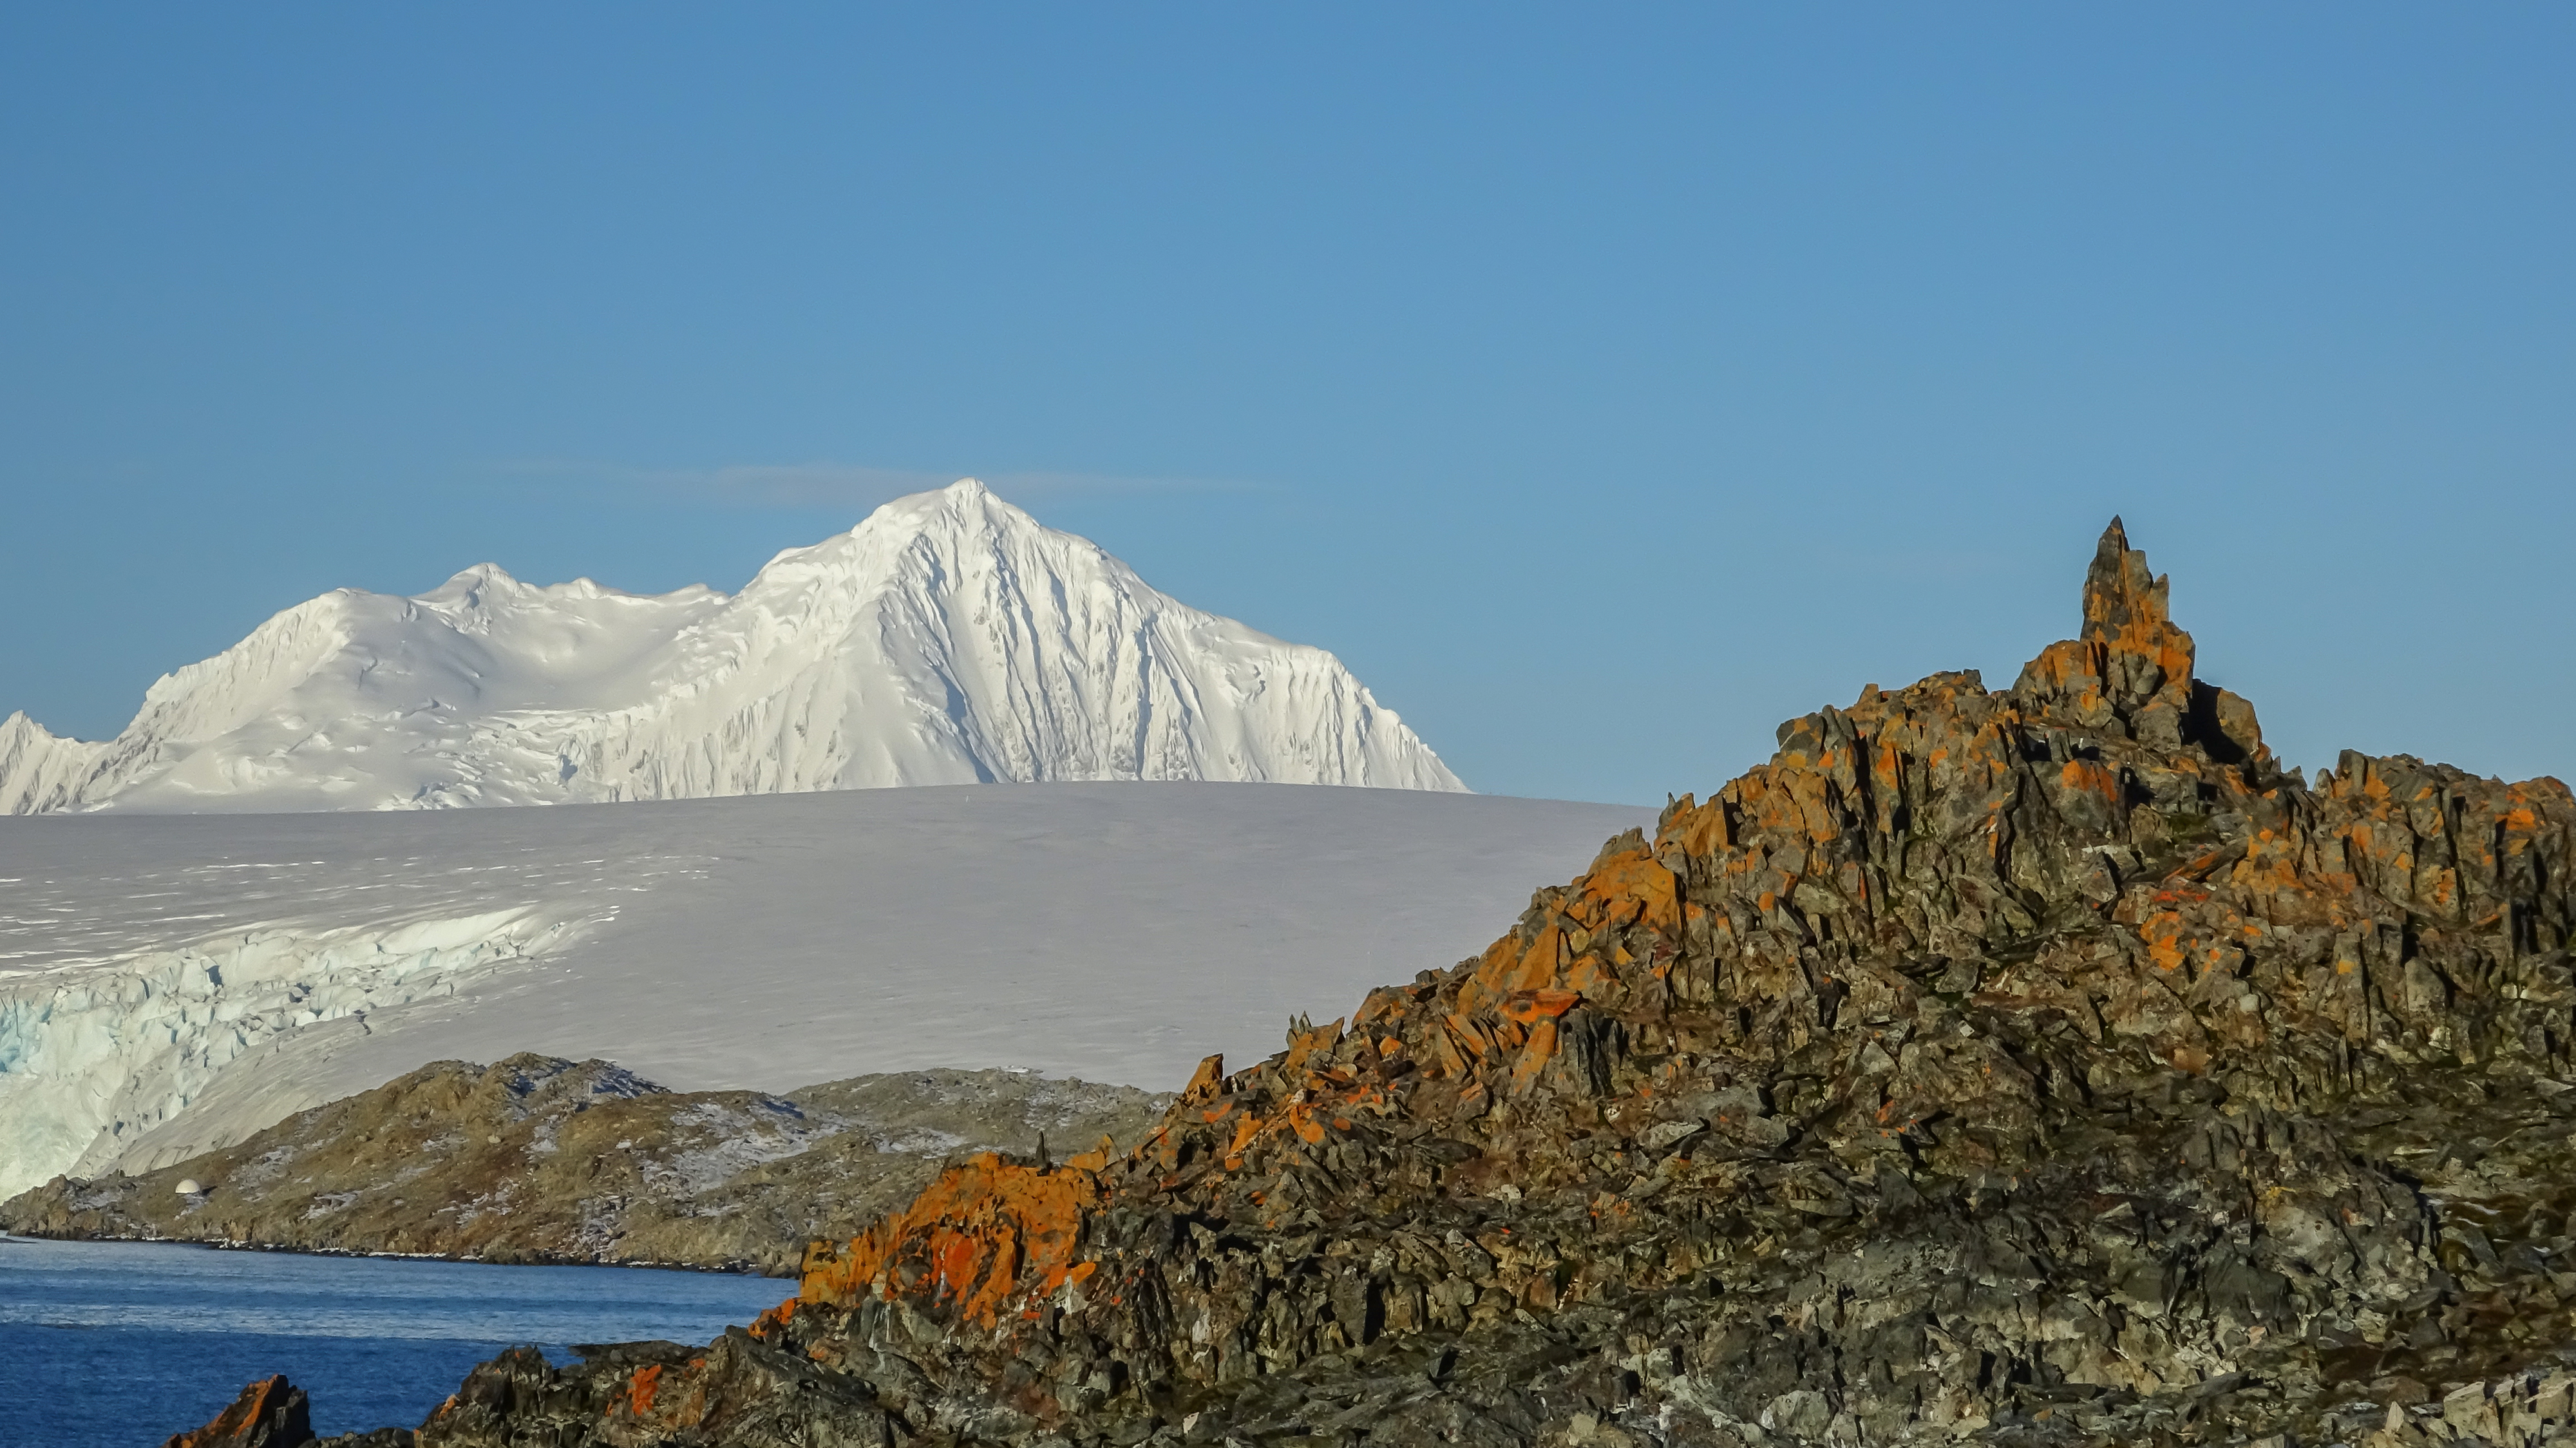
column 120, row 1345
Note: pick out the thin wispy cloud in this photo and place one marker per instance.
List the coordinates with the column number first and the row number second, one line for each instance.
column 845, row 485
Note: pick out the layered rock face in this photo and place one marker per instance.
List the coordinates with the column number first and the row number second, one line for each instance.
column 2034, row 1066
column 538, row 1159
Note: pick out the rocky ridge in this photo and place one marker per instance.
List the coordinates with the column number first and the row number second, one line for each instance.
column 2044, row 1065
column 538, row 1159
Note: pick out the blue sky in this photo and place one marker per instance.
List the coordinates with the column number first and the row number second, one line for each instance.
column 1604, row 384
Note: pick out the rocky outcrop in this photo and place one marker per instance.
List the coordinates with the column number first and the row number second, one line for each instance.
column 270, row 1413
column 274, row 1413
column 537, row 1159
column 2044, row 1065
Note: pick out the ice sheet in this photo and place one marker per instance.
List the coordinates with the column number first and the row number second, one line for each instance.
column 167, row 983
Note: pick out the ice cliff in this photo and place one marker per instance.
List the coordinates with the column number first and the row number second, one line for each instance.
column 948, row 639
column 91, row 1060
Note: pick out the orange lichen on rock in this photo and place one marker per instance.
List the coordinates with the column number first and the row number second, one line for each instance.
column 270, row 1413
column 2127, row 612
column 2130, row 659
column 1537, row 1005
column 1205, row 1080
column 987, row 1233
column 1627, row 887
column 1690, row 829
column 1305, row 1044
column 645, row 1386
column 774, row 1319
column 2000, row 977
column 1630, row 887
column 1534, row 1055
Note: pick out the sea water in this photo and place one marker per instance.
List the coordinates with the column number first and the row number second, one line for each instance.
column 120, row 1345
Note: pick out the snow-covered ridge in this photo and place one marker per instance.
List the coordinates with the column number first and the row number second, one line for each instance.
column 948, row 639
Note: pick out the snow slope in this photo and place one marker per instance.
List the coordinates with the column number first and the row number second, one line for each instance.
column 948, row 639
column 170, row 984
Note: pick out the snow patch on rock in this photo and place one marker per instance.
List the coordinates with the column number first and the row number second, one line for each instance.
column 735, row 1142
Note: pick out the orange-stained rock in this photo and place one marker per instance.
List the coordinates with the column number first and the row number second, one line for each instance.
column 989, row 1236
column 1205, row 1080
column 2038, row 1065
column 1631, row 888
column 270, row 1413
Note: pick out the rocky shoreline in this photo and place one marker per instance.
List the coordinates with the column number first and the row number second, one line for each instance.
column 2037, row 1066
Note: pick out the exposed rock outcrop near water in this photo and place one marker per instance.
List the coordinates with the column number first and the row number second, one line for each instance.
column 270, row 1413
column 274, row 1413
column 2035, row 1066
column 537, row 1159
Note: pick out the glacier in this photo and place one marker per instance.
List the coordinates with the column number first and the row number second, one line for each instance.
column 948, row 639
column 138, row 1044
column 171, row 983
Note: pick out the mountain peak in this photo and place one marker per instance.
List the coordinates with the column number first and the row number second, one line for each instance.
column 965, row 504
column 950, row 638
column 958, row 496
column 466, row 583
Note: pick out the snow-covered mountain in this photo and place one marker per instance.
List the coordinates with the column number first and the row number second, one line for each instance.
column 948, row 639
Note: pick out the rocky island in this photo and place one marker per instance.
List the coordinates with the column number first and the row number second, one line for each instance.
column 538, row 1159
column 2038, row 1066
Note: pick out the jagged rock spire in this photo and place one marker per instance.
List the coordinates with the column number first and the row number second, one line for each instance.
column 2130, row 674
column 270, row 1413
column 2126, row 612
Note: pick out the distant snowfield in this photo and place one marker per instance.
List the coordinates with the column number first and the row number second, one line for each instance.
column 948, row 639
column 173, row 983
